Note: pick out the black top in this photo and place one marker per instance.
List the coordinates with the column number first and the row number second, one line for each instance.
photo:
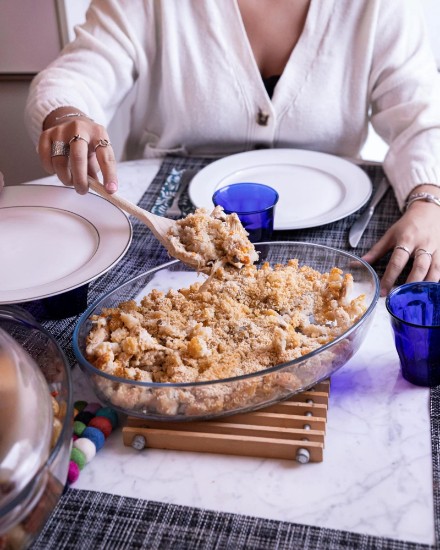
column 270, row 82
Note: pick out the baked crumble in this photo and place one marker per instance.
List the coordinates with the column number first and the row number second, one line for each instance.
column 239, row 322
column 208, row 240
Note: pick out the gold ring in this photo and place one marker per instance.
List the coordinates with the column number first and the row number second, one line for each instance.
column 77, row 137
column 401, row 247
column 103, row 143
column 59, row 149
column 421, row 251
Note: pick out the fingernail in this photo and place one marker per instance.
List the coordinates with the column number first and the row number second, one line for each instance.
column 111, row 187
column 383, row 292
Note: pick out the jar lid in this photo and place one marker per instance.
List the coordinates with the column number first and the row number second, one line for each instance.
column 25, row 419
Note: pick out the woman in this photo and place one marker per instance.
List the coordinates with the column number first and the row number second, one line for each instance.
column 198, row 70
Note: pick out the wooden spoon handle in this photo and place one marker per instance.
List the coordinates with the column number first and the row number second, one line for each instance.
column 158, row 225
column 139, row 213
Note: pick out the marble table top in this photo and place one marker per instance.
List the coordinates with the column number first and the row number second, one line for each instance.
column 376, row 476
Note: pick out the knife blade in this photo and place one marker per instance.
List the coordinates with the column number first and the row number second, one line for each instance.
column 359, row 226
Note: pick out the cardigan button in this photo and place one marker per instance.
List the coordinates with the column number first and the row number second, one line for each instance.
column 262, row 118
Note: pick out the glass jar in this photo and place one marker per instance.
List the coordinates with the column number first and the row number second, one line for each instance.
column 36, row 415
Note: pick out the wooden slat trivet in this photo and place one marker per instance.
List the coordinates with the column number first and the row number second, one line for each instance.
column 292, row 429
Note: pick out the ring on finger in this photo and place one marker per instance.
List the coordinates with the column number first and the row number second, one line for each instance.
column 421, row 251
column 402, row 247
column 59, row 149
column 77, row 137
column 103, row 143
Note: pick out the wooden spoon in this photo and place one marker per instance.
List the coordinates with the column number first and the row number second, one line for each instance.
column 158, row 225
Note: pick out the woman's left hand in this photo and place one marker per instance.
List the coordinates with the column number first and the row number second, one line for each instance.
column 415, row 236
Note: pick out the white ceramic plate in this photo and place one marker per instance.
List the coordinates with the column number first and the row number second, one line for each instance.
column 53, row 240
column 314, row 188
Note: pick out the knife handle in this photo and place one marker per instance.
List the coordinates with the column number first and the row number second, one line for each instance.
column 380, row 192
column 174, row 209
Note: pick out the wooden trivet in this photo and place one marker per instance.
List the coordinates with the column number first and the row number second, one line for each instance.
column 292, row 429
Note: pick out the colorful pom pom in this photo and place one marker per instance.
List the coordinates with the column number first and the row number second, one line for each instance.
column 78, row 427
column 93, row 407
column 92, row 425
column 73, row 473
column 84, row 417
column 80, row 405
column 86, row 446
column 78, row 457
column 110, row 414
column 102, row 423
column 96, row 436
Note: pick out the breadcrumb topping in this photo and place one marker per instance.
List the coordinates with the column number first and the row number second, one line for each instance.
column 241, row 321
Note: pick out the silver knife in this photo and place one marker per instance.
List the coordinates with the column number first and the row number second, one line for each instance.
column 359, row 226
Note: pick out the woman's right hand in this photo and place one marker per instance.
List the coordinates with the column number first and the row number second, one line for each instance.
column 74, row 147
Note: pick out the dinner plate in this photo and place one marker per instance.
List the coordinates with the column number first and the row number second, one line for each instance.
column 314, row 188
column 53, row 240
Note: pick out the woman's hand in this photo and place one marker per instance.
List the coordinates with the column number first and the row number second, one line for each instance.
column 416, row 236
column 73, row 147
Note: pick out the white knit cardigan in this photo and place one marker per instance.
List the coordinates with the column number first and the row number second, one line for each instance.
column 198, row 90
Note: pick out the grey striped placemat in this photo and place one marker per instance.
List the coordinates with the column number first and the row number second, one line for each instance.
column 85, row 519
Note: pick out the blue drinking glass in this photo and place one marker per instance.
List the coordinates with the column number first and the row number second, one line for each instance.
column 415, row 317
column 254, row 204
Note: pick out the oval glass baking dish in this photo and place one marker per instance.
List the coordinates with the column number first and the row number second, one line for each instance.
column 215, row 398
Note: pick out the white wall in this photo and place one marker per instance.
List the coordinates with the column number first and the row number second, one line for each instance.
column 26, row 46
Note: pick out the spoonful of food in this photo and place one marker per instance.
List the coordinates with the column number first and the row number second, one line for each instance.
column 200, row 240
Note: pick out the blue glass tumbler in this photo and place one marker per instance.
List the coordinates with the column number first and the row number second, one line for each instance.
column 254, row 204
column 415, row 317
